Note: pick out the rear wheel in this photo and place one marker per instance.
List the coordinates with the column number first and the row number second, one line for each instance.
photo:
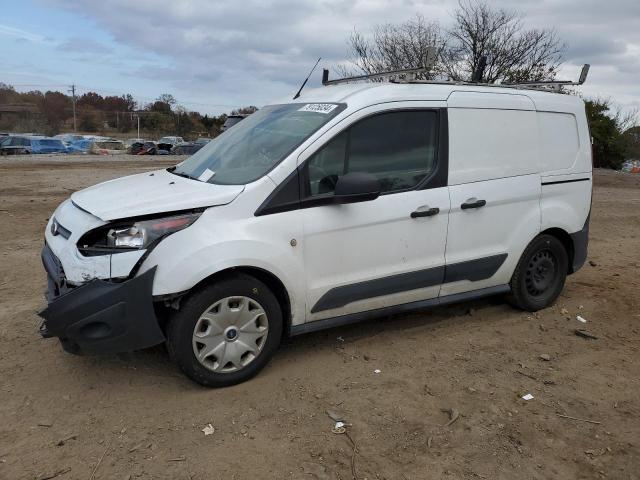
column 540, row 274
column 226, row 332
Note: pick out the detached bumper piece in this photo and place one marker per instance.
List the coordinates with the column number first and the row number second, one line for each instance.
column 102, row 317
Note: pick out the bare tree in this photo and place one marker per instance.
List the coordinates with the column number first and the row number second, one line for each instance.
column 513, row 53
column 393, row 47
column 244, row 110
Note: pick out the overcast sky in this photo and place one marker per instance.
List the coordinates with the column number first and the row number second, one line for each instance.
column 214, row 55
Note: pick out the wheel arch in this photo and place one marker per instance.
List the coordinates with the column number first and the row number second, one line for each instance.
column 566, row 241
column 268, row 278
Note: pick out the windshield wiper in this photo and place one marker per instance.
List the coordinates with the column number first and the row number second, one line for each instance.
column 180, row 174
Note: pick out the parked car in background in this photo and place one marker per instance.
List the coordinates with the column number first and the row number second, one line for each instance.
column 15, row 145
column 189, row 148
column 47, row 145
column 98, row 146
column 130, row 141
column 134, row 148
column 167, row 143
column 231, row 121
column 80, row 146
column 69, row 138
column 631, row 166
column 147, row 148
column 109, row 146
column 22, row 144
column 172, row 140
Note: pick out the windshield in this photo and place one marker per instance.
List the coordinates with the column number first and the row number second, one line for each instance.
column 257, row 144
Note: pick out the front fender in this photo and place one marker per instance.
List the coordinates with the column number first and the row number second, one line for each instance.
column 187, row 257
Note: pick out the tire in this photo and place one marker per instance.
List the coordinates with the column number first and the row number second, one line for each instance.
column 540, row 274
column 217, row 321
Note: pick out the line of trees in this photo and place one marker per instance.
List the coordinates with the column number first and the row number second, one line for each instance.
column 52, row 112
column 615, row 135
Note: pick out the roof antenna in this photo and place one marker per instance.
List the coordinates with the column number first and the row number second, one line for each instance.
column 306, row 79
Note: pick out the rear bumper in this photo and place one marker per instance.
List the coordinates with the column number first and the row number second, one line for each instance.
column 99, row 317
column 580, row 244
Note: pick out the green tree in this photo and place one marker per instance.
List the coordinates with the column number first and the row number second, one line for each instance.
column 606, row 127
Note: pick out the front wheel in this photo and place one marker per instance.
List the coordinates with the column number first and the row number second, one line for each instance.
column 540, row 274
column 225, row 333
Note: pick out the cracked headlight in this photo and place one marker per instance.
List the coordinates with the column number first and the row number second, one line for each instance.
column 133, row 235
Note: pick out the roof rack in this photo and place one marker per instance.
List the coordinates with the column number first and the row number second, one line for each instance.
column 556, row 84
column 409, row 75
column 412, row 72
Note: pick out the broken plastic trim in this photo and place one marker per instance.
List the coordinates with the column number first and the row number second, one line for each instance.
column 103, row 317
column 92, row 238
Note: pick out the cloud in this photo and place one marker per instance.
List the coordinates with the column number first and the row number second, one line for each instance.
column 21, row 34
column 84, row 45
column 254, row 50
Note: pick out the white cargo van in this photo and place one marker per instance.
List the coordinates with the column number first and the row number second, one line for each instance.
column 353, row 201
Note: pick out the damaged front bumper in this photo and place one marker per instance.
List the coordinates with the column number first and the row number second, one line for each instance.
column 99, row 317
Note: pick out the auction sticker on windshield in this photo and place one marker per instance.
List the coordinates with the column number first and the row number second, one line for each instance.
column 319, row 107
column 206, row 175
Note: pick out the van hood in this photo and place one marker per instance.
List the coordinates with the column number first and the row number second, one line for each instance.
column 152, row 192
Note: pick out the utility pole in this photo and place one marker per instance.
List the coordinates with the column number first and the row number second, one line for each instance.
column 72, row 90
column 138, row 117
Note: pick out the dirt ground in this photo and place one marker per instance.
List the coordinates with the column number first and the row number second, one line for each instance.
column 135, row 416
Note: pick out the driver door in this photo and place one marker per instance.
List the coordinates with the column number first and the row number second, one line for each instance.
column 383, row 252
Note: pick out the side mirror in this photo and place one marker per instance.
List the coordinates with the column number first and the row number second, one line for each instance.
column 356, row 187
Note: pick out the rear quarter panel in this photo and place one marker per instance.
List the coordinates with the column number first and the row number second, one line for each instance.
column 566, row 164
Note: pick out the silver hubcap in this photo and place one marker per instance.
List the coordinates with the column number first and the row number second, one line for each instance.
column 230, row 334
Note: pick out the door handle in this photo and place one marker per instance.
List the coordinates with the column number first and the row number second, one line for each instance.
column 473, row 203
column 425, row 213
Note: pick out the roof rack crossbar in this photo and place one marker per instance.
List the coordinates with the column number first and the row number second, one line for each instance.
column 409, row 73
column 373, row 76
column 555, row 83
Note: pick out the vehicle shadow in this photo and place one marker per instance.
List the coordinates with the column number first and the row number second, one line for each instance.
column 154, row 365
column 427, row 317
